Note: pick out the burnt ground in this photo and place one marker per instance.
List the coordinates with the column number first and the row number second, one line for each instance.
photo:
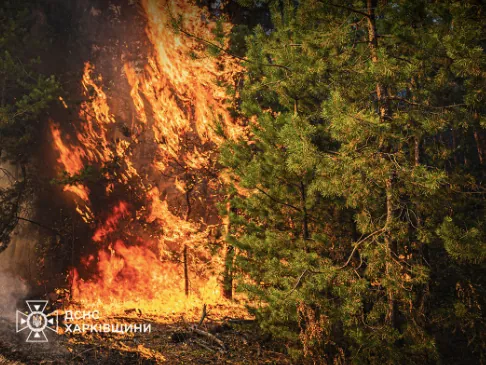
column 234, row 342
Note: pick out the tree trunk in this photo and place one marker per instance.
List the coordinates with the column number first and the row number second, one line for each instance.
column 479, row 140
column 305, row 218
column 385, row 115
column 417, row 151
column 229, row 258
column 391, row 246
column 186, row 272
column 184, row 253
column 454, row 148
column 228, row 273
column 383, row 108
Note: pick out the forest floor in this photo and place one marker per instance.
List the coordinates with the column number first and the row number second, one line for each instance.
column 172, row 340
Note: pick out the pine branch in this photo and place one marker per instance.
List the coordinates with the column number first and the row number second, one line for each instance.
column 349, row 9
column 297, row 283
column 37, row 224
column 358, row 244
column 278, row 201
column 397, row 98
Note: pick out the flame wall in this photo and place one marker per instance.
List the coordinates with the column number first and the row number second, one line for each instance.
column 141, row 162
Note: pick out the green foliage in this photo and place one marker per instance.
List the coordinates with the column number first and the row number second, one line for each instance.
column 361, row 213
column 25, row 94
column 464, row 245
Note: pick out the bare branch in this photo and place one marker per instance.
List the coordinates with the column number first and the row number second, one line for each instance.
column 210, row 336
column 297, row 283
column 278, row 201
column 352, row 10
column 359, row 243
column 37, row 224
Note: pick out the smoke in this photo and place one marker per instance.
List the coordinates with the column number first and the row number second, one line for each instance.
column 19, row 256
column 12, row 290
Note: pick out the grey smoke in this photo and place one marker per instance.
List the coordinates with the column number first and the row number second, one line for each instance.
column 12, row 290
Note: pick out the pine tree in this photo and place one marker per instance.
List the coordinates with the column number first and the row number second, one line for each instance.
column 360, row 223
column 25, row 94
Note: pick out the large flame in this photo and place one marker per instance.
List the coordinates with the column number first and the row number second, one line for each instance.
column 177, row 101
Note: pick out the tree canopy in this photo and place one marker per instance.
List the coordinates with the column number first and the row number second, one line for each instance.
column 362, row 224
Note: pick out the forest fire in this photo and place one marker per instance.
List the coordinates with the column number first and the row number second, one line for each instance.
column 325, row 164
column 153, row 235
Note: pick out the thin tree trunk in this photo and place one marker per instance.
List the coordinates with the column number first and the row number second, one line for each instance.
column 305, row 218
column 228, row 273
column 184, row 253
column 417, row 151
column 383, row 108
column 186, row 272
column 391, row 248
column 2, row 98
column 417, row 138
column 385, row 115
column 229, row 258
column 454, row 147
column 479, row 146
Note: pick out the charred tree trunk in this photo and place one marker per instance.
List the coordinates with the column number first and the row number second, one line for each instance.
column 184, row 252
column 186, row 272
column 228, row 273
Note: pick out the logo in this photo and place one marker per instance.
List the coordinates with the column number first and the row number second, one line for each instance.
column 36, row 321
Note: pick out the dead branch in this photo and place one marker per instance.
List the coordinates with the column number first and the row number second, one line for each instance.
column 238, row 320
column 203, row 315
column 210, row 337
column 203, row 345
column 359, row 243
column 38, row 224
column 298, row 282
column 82, row 352
column 136, row 311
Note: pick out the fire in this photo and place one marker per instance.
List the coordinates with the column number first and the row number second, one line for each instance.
column 71, row 162
column 110, row 225
column 146, row 237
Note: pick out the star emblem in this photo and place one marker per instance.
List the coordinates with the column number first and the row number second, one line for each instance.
column 36, row 321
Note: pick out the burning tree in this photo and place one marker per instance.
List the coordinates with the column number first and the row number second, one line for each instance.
column 145, row 177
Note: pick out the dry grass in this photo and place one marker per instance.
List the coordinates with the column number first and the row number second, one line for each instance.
column 4, row 361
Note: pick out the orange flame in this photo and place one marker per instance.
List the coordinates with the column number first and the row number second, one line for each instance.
column 111, row 223
column 177, row 101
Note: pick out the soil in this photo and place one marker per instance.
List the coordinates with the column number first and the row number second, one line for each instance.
column 171, row 341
